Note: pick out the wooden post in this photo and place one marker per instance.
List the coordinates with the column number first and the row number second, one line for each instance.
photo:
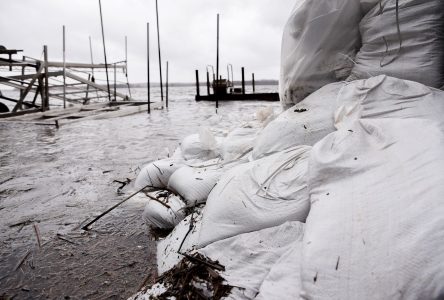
column 115, row 82
column 217, row 49
column 208, row 83
column 64, row 67
column 253, row 83
column 160, row 60
column 87, row 91
column 148, row 64
column 166, row 87
column 104, row 52
column 197, row 83
column 243, row 80
column 126, row 66
column 45, row 106
column 23, row 74
column 92, row 63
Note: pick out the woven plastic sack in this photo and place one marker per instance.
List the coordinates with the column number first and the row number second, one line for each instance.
column 403, row 39
column 319, row 43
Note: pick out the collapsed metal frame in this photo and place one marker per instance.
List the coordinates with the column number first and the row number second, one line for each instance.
column 43, row 82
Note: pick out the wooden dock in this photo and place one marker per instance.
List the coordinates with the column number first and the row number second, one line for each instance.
column 239, row 97
column 97, row 111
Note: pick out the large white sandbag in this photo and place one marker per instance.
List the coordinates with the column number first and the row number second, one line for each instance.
column 367, row 5
column 157, row 174
column 388, row 97
column 164, row 213
column 283, row 282
column 375, row 227
column 248, row 257
column 304, row 124
column 182, row 239
column 200, row 146
column 415, row 52
column 258, row 195
column 319, row 42
column 194, row 184
column 238, row 142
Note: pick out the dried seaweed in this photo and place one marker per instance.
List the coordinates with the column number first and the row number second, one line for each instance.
column 195, row 277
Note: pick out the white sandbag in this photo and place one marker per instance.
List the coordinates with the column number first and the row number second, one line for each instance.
column 419, row 57
column 194, row 184
column 257, row 195
column 153, row 292
column 283, row 282
column 375, row 227
column 367, row 5
column 319, row 42
column 157, row 174
column 201, row 146
column 238, row 142
column 388, row 97
column 265, row 115
column 184, row 236
column 304, row 124
column 164, row 215
column 248, row 257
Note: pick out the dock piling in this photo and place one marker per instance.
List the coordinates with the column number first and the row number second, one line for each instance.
column 45, row 104
column 253, row 83
column 64, row 67
column 243, row 80
column 148, row 64
column 197, row 83
column 208, row 82
column 160, row 60
column 104, row 52
column 166, row 86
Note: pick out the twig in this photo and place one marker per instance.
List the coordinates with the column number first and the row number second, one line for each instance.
column 157, row 200
column 59, row 236
column 188, row 232
column 37, row 233
column 145, row 281
column 86, row 227
column 22, row 260
column 214, row 265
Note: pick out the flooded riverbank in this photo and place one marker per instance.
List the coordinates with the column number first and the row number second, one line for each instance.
column 52, row 180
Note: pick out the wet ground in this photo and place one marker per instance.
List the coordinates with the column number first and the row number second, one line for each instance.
column 53, row 180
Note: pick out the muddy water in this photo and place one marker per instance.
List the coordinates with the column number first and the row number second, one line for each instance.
column 52, row 180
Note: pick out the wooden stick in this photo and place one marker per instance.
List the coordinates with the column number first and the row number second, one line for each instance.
column 160, row 60
column 37, row 233
column 22, row 260
column 86, row 227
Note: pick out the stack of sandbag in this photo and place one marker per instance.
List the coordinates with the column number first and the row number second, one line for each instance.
column 375, row 227
column 165, row 212
column 319, row 43
column 257, row 195
column 202, row 146
column 249, row 257
column 194, row 184
column 283, row 282
column 388, row 97
column 238, row 142
column 403, row 39
column 182, row 239
column 157, row 174
column 304, row 124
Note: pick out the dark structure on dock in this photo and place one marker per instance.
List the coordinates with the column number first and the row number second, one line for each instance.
column 224, row 90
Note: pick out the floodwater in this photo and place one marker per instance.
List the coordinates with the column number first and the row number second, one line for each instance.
column 52, row 180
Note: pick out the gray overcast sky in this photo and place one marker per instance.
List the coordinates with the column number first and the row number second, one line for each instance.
column 251, row 32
